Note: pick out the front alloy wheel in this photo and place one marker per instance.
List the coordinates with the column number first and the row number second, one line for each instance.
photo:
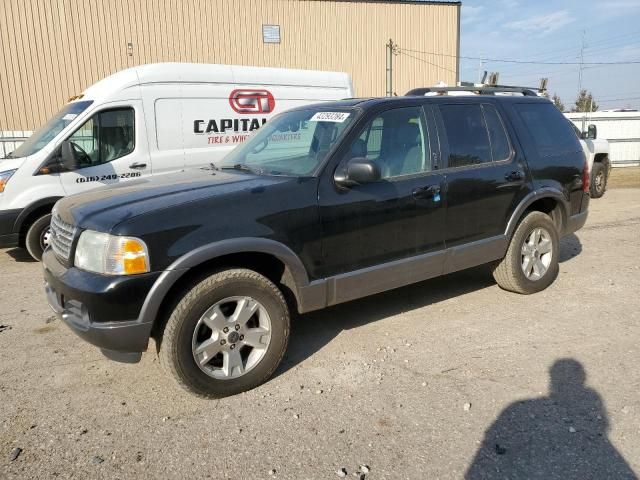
column 227, row 334
column 231, row 337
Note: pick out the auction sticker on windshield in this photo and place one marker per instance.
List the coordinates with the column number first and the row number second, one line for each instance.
column 337, row 117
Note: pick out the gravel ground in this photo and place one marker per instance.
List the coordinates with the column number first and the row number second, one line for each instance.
column 450, row 378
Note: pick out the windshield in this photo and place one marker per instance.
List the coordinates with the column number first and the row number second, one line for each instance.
column 292, row 143
column 49, row 130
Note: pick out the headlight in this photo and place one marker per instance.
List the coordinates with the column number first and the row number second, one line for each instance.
column 4, row 178
column 111, row 254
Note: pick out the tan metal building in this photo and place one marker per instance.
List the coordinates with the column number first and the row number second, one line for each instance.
column 53, row 49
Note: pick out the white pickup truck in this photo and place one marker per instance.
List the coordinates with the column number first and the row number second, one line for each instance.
column 597, row 152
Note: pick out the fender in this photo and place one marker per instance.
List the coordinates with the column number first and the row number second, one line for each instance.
column 182, row 265
column 26, row 211
column 545, row 192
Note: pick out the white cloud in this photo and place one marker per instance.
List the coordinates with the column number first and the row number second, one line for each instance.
column 542, row 24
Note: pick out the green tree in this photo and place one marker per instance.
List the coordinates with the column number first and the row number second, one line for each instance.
column 585, row 102
column 557, row 102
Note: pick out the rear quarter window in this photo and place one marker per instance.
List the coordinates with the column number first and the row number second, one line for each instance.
column 551, row 133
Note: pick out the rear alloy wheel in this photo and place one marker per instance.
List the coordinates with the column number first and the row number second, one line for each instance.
column 598, row 180
column 228, row 334
column 531, row 262
column 38, row 236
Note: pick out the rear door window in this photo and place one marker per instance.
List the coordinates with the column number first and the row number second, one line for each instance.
column 466, row 133
column 551, row 132
column 500, row 146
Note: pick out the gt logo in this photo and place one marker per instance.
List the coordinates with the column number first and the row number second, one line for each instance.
column 252, row 101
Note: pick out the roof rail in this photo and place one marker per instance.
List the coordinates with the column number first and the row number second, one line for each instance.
column 419, row 92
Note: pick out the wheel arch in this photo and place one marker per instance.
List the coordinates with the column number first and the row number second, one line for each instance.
column 30, row 214
column 546, row 200
column 270, row 258
column 604, row 159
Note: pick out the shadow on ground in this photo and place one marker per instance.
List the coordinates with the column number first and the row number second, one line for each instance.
column 570, row 247
column 562, row 436
column 20, row 255
column 311, row 332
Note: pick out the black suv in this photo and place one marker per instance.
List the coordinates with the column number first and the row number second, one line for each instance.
column 325, row 204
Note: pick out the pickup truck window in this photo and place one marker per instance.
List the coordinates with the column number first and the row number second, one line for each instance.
column 467, row 135
column 549, row 129
column 292, row 143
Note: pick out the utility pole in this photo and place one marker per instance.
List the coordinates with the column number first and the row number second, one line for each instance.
column 480, row 70
column 390, row 46
column 584, row 117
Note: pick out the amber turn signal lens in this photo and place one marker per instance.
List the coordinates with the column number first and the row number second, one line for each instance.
column 134, row 257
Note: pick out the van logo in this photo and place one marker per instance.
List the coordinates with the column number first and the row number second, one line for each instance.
column 252, row 101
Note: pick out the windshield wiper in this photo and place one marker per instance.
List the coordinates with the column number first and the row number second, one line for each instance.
column 211, row 166
column 245, row 168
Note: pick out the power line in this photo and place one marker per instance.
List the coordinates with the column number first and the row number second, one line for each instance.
column 527, row 62
column 618, row 100
column 401, row 52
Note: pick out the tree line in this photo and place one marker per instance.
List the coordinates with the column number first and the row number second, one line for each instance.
column 584, row 102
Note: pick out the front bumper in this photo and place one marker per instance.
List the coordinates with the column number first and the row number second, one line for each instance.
column 102, row 310
column 8, row 236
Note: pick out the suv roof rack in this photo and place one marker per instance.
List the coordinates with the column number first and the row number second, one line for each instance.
column 482, row 90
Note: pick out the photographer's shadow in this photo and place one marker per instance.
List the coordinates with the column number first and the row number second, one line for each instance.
column 562, row 436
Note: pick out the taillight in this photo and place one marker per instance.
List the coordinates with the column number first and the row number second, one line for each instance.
column 585, row 177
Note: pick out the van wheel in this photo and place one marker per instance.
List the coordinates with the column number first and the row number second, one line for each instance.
column 598, row 180
column 226, row 335
column 531, row 262
column 38, row 236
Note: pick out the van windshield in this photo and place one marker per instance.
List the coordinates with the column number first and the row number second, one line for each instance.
column 49, row 130
column 292, row 143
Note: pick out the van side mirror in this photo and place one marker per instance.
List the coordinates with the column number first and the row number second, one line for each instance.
column 68, row 155
column 592, row 132
column 359, row 171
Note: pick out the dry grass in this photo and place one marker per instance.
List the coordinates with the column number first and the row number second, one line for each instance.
column 628, row 177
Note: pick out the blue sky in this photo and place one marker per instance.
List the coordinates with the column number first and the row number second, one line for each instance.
column 548, row 31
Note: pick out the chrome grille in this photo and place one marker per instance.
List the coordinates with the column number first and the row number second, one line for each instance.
column 62, row 235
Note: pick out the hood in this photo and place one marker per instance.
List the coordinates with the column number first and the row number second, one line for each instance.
column 103, row 208
column 11, row 163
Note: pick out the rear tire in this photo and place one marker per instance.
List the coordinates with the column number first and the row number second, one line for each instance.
column 236, row 307
column 599, row 179
column 531, row 262
column 37, row 238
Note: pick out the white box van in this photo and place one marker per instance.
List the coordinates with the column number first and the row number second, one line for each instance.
column 147, row 120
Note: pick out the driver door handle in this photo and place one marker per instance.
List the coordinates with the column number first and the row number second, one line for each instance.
column 138, row 166
column 514, row 176
column 426, row 192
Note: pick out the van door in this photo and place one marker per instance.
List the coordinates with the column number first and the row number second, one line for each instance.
column 110, row 148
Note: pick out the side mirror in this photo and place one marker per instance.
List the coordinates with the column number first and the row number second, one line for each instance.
column 359, row 171
column 592, row 132
column 68, row 155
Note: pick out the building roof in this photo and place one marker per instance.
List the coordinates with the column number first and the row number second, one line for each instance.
column 426, row 2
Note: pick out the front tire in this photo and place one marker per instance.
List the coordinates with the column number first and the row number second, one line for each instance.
column 38, row 235
column 531, row 262
column 227, row 335
column 598, row 180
